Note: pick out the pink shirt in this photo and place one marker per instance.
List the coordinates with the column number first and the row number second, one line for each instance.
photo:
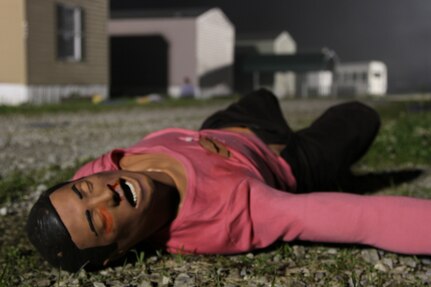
column 239, row 203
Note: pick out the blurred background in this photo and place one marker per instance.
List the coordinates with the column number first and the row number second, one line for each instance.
column 54, row 50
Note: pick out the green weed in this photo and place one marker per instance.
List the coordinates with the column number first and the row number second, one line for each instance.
column 13, row 262
column 403, row 140
column 14, row 186
column 140, row 257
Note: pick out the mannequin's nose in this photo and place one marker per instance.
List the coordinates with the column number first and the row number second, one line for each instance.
column 109, row 197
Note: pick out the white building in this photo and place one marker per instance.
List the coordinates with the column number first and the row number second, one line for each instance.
column 316, row 83
column 318, row 80
column 283, row 83
column 348, row 79
column 361, row 78
column 200, row 47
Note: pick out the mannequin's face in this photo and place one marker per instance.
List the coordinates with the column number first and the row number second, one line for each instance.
column 108, row 207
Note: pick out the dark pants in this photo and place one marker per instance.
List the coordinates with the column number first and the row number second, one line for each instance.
column 322, row 154
column 319, row 155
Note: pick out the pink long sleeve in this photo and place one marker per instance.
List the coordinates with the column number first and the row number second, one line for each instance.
column 394, row 223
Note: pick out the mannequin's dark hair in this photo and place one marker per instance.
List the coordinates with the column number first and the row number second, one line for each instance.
column 48, row 234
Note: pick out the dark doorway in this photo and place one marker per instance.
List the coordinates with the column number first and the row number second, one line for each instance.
column 139, row 65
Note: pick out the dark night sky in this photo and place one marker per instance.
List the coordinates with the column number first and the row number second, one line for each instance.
column 397, row 32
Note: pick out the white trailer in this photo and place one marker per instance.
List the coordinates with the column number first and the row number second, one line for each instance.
column 361, row 78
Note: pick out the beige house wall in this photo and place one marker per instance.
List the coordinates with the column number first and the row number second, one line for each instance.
column 181, row 37
column 12, row 42
column 44, row 67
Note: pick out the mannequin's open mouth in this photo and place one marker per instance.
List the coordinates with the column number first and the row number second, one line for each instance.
column 129, row 192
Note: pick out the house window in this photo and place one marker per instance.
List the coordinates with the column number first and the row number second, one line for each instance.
column 377, row 75
column 70, row 33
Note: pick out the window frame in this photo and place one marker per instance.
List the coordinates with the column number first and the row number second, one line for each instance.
column 70, row 44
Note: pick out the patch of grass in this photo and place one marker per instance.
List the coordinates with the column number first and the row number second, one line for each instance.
column 404, row 139
column 12, row 264
column 14, row 186
column 140, row 256
column 17, row 184
column 409, row 190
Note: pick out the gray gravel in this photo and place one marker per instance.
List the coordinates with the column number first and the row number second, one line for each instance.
column 29, row 142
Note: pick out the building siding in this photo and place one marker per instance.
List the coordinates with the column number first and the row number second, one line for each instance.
column 181, row 37
column 12, row 42
column 43, row 66
column 215, row 52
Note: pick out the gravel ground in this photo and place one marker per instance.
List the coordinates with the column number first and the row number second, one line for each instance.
column 32, row 142
column 29, row 142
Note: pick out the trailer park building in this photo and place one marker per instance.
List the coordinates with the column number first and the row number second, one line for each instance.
column 283, row 83
column 346, row 79
column 52, row 49
column 55, row 49
column 163, row 51
column 361, row 78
